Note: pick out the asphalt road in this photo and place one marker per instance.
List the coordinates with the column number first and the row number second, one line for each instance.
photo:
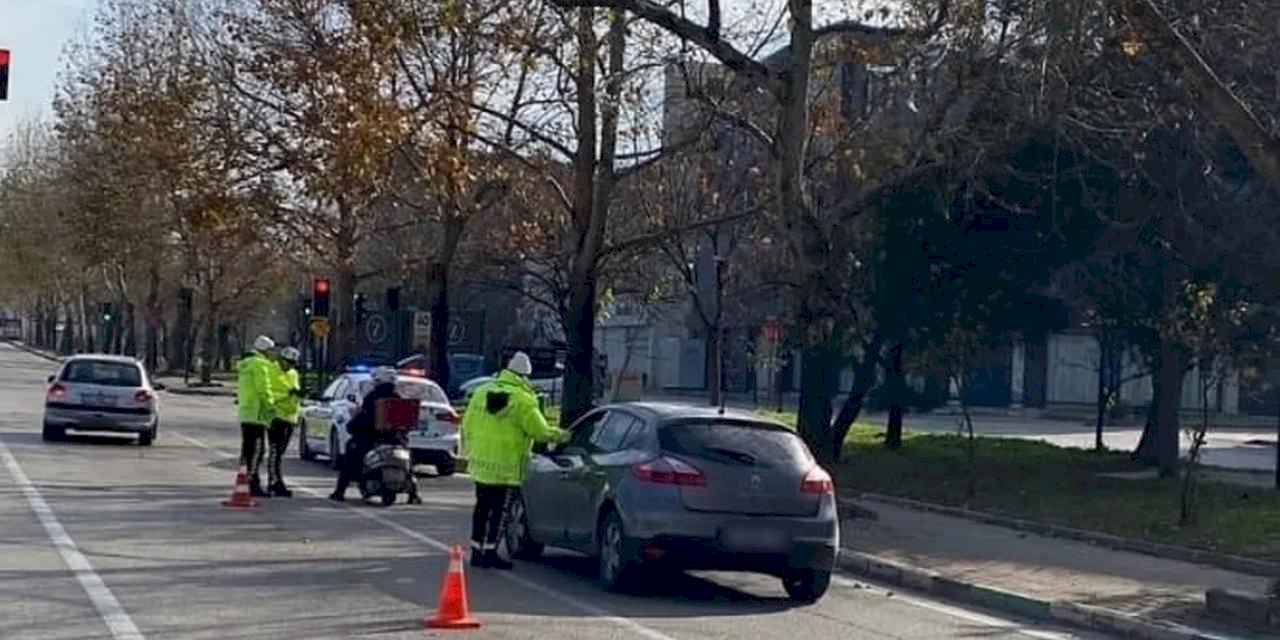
column 101, row 538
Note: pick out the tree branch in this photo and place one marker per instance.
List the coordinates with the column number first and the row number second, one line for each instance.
column 686, row 30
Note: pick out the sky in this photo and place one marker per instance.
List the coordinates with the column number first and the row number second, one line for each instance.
column 36, row 32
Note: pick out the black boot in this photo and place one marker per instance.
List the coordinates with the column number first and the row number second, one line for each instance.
column 278, row 489
column 479, row 559
column 338, row 496
column 496, row 561
column 255, row 489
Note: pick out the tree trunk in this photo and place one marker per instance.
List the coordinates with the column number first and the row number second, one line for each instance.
column 440, row 319
column 864, row 380
column 130, row 318
column 1173, row 363
column 343, row 296
column 715, row 366
column 180, row 356
column 1103, row 397
column 208, row 346
column 151, row 336
column 896, row 385
column 580, row 365
column 817, row 390
column 67, row 343
column 438, row 289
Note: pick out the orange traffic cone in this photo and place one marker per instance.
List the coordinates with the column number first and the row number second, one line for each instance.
column 453, row 612
column 240, row 498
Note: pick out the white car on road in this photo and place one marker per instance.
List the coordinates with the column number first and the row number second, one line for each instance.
column 323, row 424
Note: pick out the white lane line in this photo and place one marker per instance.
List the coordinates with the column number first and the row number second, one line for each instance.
column 585, row 607
column 114, row 615
column 956, row 612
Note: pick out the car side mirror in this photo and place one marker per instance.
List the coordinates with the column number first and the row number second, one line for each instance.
column 159, row 386
column 563, row 463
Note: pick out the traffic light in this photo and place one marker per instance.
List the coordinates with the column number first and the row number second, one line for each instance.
column 320, row 298
column 4, row 74
column 362, row 310
column 105, row 310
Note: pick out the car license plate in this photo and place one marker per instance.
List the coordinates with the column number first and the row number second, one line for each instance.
column 755, row 539
column 98, row 399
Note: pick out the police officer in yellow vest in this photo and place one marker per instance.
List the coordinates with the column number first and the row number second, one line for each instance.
column 257, row 408
column 286, row 391
column 501, row 424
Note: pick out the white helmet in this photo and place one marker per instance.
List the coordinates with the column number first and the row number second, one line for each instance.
column 383, row 375
column 291, row 354
column 263, row 343
column 520, row 364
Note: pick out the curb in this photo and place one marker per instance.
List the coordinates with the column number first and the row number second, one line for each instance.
column 1256, row 609
column 22, row 346
column 180, row 391
column 1059, row 612
column 1250, row 566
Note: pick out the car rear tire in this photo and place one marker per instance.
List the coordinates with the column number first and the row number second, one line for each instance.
column 519, row 544
column 808, row 585
column 617, row 571
column 388, row 497
column 147, row 438
column 51, row 433
column 304, row 450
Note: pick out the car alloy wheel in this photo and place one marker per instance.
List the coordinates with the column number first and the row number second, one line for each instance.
column 615, row 570
column 519, row 544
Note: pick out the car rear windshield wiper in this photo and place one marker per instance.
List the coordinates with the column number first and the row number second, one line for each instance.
column 736, row 456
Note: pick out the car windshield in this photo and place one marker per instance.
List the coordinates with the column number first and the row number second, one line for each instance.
column 107, row 374
column 731, row 442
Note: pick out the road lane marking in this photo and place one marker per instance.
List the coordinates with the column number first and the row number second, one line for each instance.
column 585, row 607
column 114, row 615
column 956, row 612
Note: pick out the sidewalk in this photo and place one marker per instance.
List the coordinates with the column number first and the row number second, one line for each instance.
column 1043, row 577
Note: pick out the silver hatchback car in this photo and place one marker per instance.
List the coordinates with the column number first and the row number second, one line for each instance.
column 647, row 484
column 101, row 393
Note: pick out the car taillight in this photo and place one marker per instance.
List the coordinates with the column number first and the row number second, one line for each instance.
column 142, row 396
column 57, row 392
column 818, row 482
column 669, row 471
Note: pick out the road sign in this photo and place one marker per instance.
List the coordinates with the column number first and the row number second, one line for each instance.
column 320, row 327
column 421, row 328
column 375, row 329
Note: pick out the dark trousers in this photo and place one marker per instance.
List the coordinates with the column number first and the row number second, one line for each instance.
column 252, row 450
column 489, row 515
column 278, row 436
column 351, row 465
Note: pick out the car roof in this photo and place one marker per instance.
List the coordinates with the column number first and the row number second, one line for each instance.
column 665, row 411
column 103, row 357
column 361, row 376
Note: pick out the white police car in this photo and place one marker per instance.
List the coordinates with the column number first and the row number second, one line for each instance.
column 323, row 424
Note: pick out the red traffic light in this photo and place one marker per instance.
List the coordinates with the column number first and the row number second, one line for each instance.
column 4, row 74
column 322, row 286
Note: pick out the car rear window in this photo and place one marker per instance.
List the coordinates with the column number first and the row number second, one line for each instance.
column 107, row 374
column 735, row 442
